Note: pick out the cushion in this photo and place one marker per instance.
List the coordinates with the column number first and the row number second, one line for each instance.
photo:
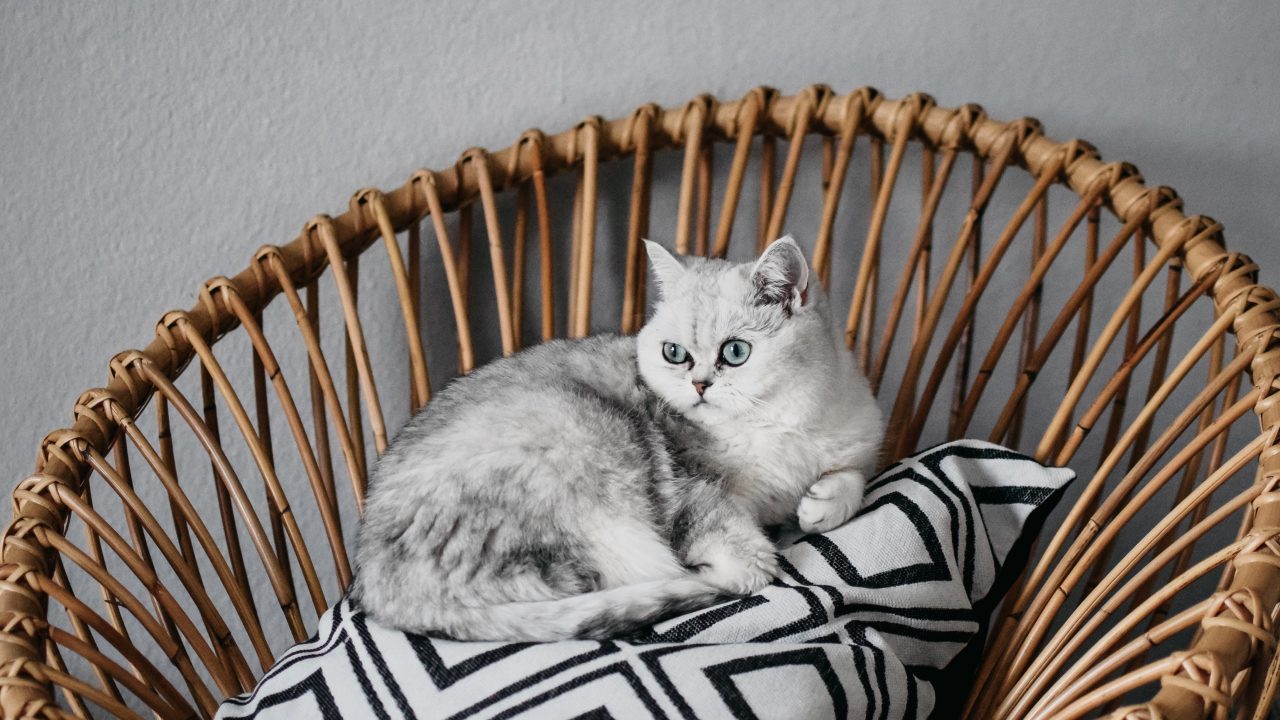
column 879, row 618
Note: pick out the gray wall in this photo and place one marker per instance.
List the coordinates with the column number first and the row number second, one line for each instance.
column 148, row 145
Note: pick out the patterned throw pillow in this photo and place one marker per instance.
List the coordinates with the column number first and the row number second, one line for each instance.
column 870, row 620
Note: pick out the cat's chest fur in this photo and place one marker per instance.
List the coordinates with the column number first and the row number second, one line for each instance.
column 770, row 465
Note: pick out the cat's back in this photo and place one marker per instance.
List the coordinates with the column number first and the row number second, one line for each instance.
column 604, row 364
column 528, row 400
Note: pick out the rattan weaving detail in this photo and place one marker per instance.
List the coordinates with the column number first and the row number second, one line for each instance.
column 185, row 594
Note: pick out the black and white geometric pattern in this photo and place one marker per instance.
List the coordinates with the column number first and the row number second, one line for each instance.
column 870, row 620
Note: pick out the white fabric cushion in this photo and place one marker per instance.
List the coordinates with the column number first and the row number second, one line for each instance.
column 872, row 619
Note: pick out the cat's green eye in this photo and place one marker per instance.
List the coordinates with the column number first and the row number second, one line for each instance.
column 735, row 352
column 674, row 354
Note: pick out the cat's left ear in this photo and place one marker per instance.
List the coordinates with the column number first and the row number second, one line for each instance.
column 781, row 275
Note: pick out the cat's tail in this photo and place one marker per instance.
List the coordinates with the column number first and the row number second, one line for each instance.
column 595, row 615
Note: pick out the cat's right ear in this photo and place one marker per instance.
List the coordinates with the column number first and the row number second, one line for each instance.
column 781, row 275
column 666, row 269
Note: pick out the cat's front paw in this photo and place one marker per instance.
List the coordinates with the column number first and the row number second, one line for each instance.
column 739, row 568
column 831, row 501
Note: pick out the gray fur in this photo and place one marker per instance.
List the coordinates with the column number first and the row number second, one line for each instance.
column 575, row 490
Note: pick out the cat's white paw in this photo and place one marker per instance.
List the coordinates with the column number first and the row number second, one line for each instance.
column 739, row 570
column 831, row 501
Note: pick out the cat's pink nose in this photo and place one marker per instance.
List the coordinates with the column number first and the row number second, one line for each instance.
column 701, row 387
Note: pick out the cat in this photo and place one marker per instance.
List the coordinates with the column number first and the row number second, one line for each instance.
column 589, row 488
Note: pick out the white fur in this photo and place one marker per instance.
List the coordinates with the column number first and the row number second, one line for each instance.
column 732, row 572
column 797, row 421
column 628, row 551
column 541, row 497
column 561, row 618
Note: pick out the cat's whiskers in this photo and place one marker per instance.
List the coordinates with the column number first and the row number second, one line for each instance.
column 757, row 402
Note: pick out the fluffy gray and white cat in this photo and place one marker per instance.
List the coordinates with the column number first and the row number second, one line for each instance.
column 588, row 488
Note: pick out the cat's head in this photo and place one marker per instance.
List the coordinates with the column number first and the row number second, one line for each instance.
column 734, row 339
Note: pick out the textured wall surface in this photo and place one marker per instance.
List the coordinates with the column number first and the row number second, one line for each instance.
column 147, row 146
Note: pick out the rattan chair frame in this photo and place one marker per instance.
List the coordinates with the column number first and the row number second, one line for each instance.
column 1048, row 657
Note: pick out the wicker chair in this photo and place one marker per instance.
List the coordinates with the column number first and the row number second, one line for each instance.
column 143, row 574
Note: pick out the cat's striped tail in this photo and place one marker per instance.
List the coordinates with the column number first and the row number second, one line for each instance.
column 595, row 615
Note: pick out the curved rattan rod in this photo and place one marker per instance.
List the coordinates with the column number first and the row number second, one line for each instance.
column 916, row 258
column 928, row 177
column 174, row 651
column 537, row 186
column 519, row 250
column 426, row 181
column 1083, row 672
column 229, row 479
column 493, row 230
column 309, row 315
column 1103, row 666
column 220, row 634
column 1064, row 647
column 262, row 350
column 807, row 103
column 420, row 383
column 149, row 675
column 748, row 118
column 850, row 125
column 78, row 626
column 1137, row 436
column 347, row 295
column 964, row 316
column 53, row 656
column 638, row 218
column 971, row 260
column 1032, row 612
column 187, row 573
column 210, row 437
column 1192, row 471
column 461, row 188
column 862, row 288
column 584, row 245
column 1089, row 613
column 164, row 462
column 696, row 115
column 73, row 686
column 123, row 468
column 262, row 431
column 906, row 398
column 1037, row 574
column 269, row 257
column 706, row 163
column 1032, row 620
column 276, row 494
column 1020, row 306
column 1030, row 324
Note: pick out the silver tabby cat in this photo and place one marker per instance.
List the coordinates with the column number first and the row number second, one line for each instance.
column 588, row 488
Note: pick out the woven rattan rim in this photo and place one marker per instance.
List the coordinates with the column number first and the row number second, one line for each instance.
column 1236, row 629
